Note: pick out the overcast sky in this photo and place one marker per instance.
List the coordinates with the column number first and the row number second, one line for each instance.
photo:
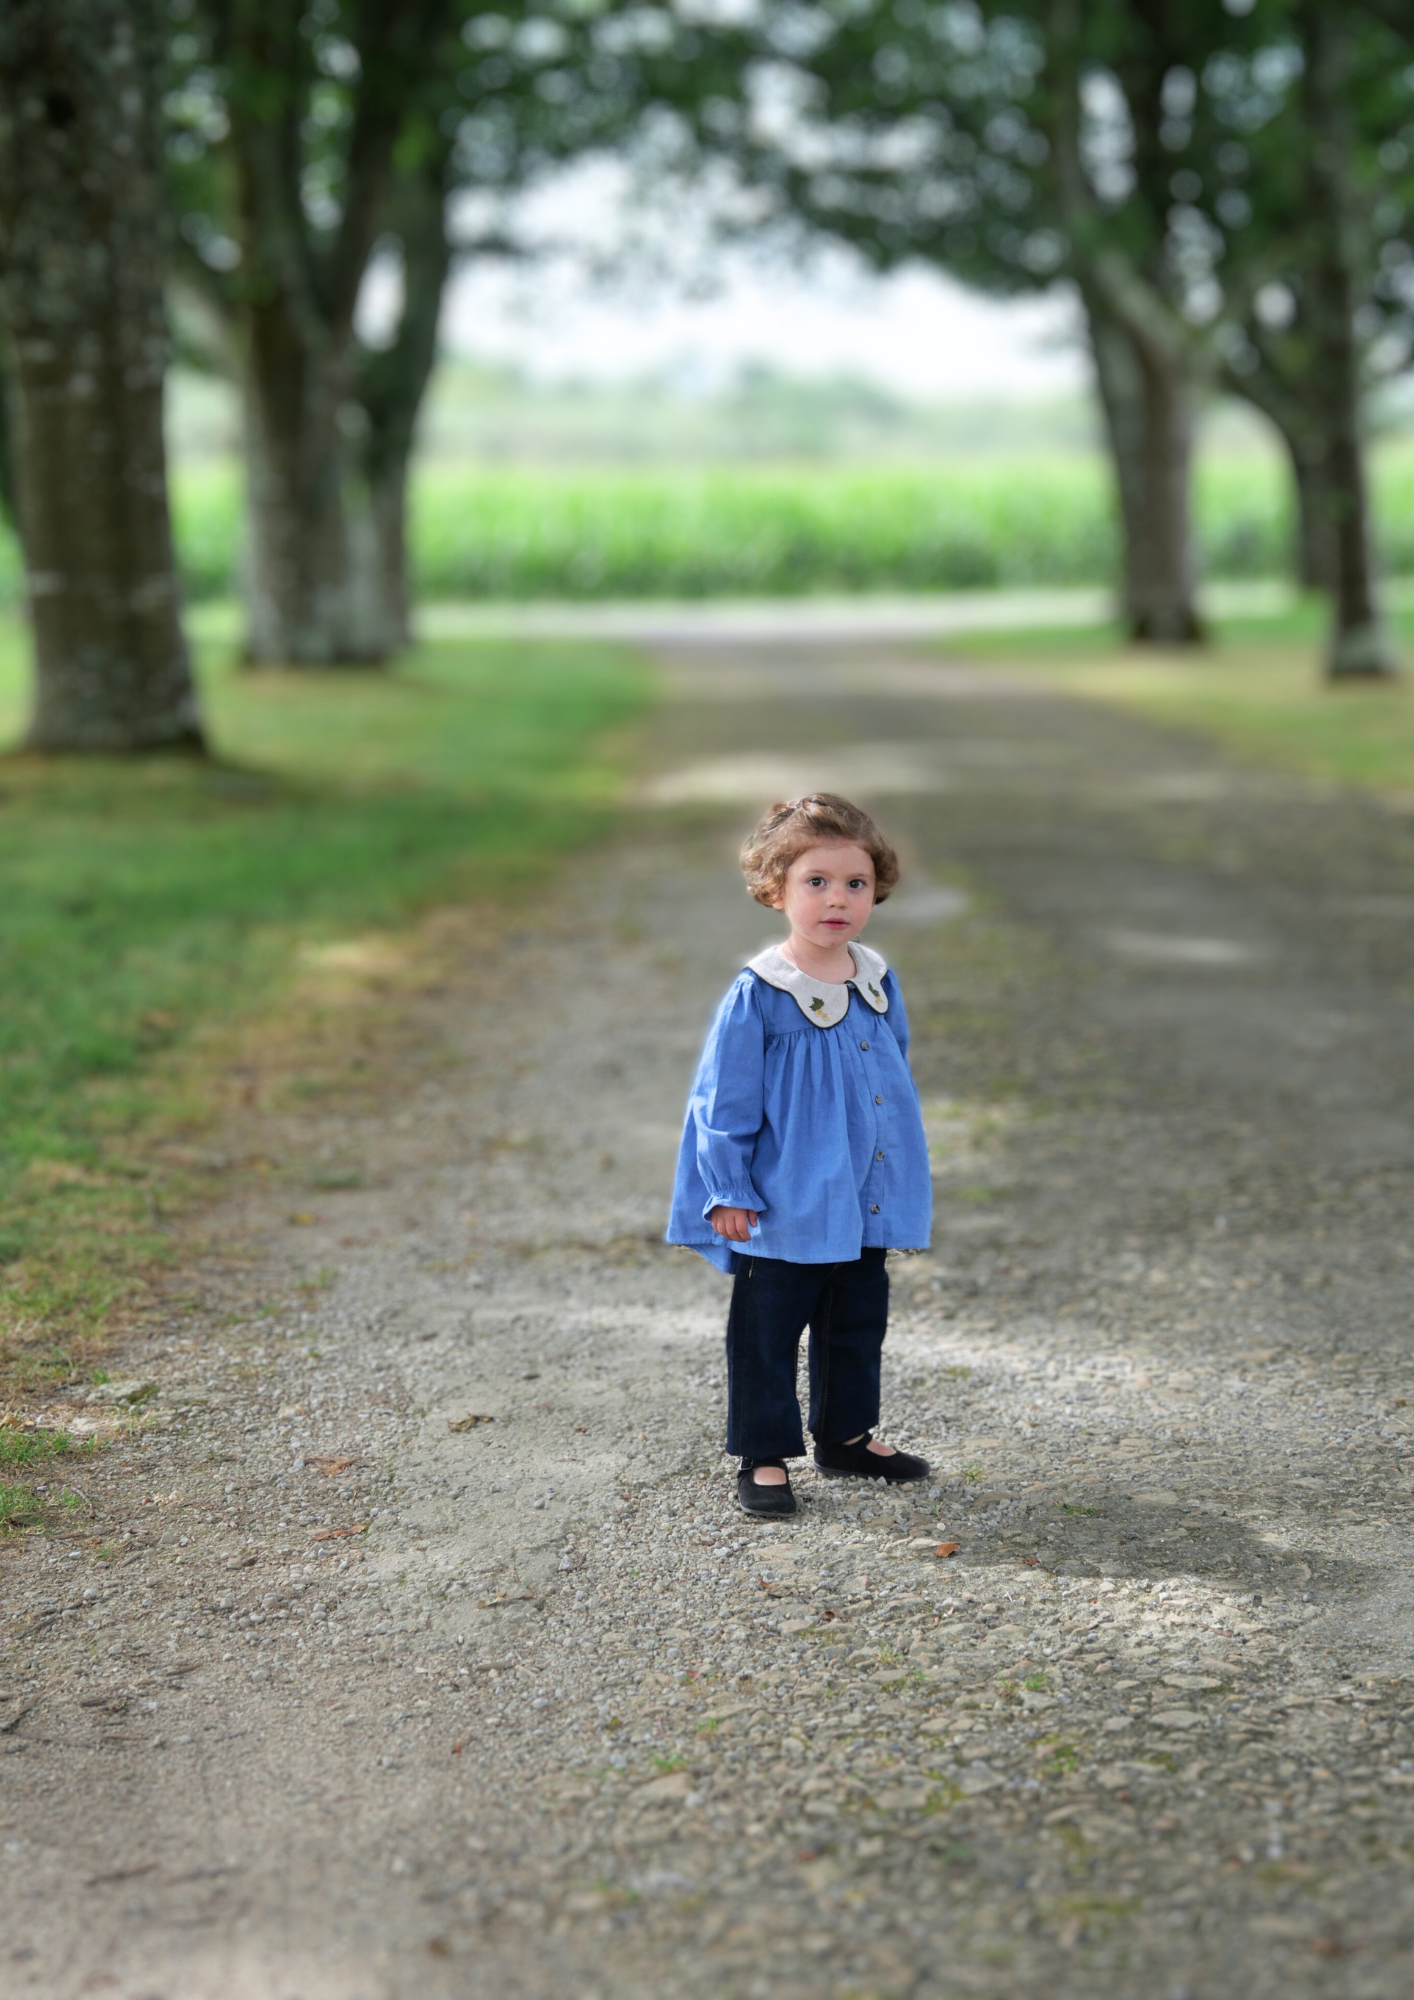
column 917, row 332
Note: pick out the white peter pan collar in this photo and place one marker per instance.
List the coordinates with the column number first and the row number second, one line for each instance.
column 819, row 1002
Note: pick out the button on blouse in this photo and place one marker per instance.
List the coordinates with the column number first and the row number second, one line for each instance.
column 786, row 1117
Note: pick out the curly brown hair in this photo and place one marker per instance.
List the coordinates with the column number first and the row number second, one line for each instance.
column 791, row 828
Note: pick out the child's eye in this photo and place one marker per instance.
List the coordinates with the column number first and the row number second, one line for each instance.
column 859, row 883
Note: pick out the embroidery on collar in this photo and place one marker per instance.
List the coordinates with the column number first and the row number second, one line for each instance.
column 817, row 999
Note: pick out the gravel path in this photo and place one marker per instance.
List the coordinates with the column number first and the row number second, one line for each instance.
column 554, row 1717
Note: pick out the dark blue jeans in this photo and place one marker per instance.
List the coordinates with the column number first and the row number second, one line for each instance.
column 846, row 1307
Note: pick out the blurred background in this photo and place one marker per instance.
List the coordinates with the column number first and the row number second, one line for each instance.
column 334, row 337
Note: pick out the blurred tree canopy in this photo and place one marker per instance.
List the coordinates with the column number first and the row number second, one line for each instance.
column 1225, row 183
column 301, row 146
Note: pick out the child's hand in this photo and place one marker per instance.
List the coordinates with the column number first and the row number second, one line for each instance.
column 736, row 1224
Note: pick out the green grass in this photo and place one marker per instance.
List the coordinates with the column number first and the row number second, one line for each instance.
column 510, row 531
column 20, row 1505
column 23, row 1447
column 141, row 901
column 1256, row 689
column 501, row 531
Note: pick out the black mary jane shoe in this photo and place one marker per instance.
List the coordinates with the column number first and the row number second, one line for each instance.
column 856, row 1461
column 756, row 1499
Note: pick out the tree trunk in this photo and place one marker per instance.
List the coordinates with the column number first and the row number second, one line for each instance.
column 1147, row 398
column 1316, row 558
column 378, row 536
column 390, row 384
column 81, row 248
column 1143, row 365
column 293, row 309
column 1360, row 644
column 299, row 587
column 9, row 505
column 1290, row 403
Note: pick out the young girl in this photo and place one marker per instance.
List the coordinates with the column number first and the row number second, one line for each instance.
column 803, row 1159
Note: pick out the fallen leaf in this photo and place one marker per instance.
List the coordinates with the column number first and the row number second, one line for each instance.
column 303, row 1219
column 1328, row 1947
column 947, row 1548
column 330, row 1466
column 466, row 1423
column 458, row 1747
column 338, row 1534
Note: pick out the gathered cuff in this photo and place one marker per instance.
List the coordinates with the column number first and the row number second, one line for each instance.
column 743, row 1195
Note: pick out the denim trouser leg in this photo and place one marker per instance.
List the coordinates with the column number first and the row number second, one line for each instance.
column 846, row 1337
column 846, row 1307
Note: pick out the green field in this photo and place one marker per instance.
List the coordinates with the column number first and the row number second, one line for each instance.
column 1009, row 522
column 142, row 902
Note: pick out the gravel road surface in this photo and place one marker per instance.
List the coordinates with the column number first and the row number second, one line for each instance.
column 405, row 1639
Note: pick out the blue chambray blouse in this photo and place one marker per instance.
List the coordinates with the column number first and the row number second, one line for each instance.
column 804, row 1109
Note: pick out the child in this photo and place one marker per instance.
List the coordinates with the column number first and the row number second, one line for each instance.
column 803, row 1158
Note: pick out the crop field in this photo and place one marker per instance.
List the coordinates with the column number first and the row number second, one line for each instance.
column 584, row 532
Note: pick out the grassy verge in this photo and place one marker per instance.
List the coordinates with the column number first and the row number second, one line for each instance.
column 142, row 905
column 1256, row 689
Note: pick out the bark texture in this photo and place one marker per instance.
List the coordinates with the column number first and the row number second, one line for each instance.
column 1148, row 402
column 9, row 508
column 389, row 385
column 1281, row 388
column 293, row 307
column 1360, row 643
column 1144, row 356
column 81, row 301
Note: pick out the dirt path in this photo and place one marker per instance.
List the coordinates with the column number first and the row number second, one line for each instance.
column 561, row 1720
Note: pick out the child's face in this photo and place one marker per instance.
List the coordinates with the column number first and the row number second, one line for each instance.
column 828, row 893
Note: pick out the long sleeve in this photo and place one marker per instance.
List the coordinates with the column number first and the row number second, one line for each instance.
column 817, row 1128
column 727, row 1105
column 898, row 1015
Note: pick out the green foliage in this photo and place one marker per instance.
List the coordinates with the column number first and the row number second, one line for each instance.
column 532, row 532
column 522, row 532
